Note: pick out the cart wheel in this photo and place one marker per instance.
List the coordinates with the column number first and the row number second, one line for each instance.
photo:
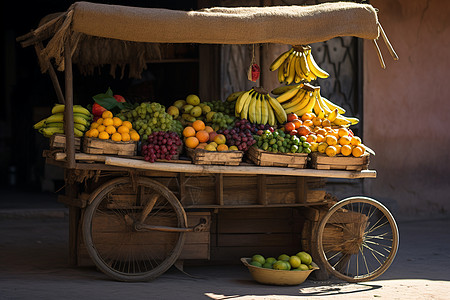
column 112, row 241
column 357, row 239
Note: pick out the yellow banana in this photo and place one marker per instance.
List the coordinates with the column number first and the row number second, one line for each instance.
column 304, row 64
column 39, row 124
column 280, row 60
column 332, row 106
column 264, row 110
column 314, row 67
column 325, row 107
column 233, row 96
column 279, row 112
column 281, row 77
column 48, row 132
column 246, row 104
column 258, row 109
column 284, row 88
column 295, row 100
column 287, row 64
column 318, row 110
column 353, row 120
column 301, row 104
column 55, row 118
column 54, row 125
column 59, row 108
column 80, row 120
column 333, row 115
column 252, row 108
column 288, row 94
column 272, row 120
column 291, row 69
column 241, row 100
column 89, row 118
column 341, row 121
column 309, row 106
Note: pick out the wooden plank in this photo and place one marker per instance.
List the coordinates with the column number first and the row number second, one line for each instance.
column 261, row 213
column 301, row 190
column 219, row 188
column 257, row 239
column 98, row 146
column 262, row 189
column 208, row 169
column 203, row 157
column 315, row 195
column 258, row 226
column 265, row 158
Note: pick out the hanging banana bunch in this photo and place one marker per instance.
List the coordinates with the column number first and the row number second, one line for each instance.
column 297, row 65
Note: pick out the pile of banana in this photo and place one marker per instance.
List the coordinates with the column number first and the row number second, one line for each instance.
column 257, row 106
column 55, row 123
column 305, row 98
column 296, row 65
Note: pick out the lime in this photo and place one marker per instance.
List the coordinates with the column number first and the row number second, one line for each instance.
column 256, row 264
column 288, row 265
column 295, row 261
column 267, row 265
column 303, row 267
column 271, row 260
column 284, row 257
column 279, row 265
column 258, row 258
column 305, row 257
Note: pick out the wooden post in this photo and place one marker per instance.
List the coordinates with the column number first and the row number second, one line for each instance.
column 74, row 217
column 51, row 71
column 68, row 112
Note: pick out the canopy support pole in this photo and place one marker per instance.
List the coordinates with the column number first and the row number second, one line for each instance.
column 68, row 110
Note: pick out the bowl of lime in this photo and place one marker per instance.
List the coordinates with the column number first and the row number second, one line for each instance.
column 283, row 270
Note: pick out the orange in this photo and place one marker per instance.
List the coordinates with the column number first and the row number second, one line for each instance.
column 321, row 131
column 326, row 123
column 94, row 125
column 208, row 129
column 345, row 140
column 357, row 151
column 117, row 137
column 308, row 116
column 297, row 123
column 310, row 138
column 101, row 128
column 134, row 136
column 314, row 146
column 191, row 142
column 103, row 135
column 108, row 121
column 198, row 125
column 308, row 123
column 346, row 150
column 322, row 147
column 331, row 140
column 188, row 131
column 94, row 133
column 99, row 121
column 222, row 147
column 202, row 136
column 320, row 138
column 125, row 136
column 338, row 148
column 330, row 151
column 87, row 133
column 127, row 124
column 123, row 129
column 355, row 141
column 317, row 121
column 107, row 114
column 110, row 129
column 117, row 122
column 343, row 132
column 201, row 146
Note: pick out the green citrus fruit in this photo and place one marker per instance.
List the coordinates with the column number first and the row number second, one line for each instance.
column 303, row 267
column 256, row 264
column 295, row 261
column 284, row 257
column 305, row 257
column 259, row 258
column 271, row 260
column 280, row 265
column 267, row 265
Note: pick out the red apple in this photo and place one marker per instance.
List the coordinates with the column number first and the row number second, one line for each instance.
column 119, row 98
column 289, row 126
column 97, row 110
column 291, row 117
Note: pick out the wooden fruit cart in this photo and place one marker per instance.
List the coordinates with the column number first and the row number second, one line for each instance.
column 135, row 219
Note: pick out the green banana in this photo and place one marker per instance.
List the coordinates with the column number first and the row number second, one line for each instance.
column 39, row 124
column 280, row 60
column 59, row 117
column 59, row 108
column 279, row 112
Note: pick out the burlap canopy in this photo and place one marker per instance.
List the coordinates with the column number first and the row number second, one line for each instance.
column 138, row 29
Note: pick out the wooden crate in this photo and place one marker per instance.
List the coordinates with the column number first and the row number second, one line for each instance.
column 58, row 141
column 109, row 235
column 265, row 158
column 321, row 161
column 109, row 147
column 204, row 157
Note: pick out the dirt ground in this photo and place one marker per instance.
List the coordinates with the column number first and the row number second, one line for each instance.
column 34, row 255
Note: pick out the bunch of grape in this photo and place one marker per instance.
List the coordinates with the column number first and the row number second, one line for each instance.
column 278, row 141
column 254, row 128
column 149, row 117
column 161, row 145
column 225, row 107
column 177, row 127
column 222, row 121
column 240, row 135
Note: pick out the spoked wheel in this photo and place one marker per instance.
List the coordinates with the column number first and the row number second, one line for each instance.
column 112, row 234
column 357, row 239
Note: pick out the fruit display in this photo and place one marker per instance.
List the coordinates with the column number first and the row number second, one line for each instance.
column 149, row 117
column 109, row 127
column 257, row 106
column 107, row 101
column 296, row 65
column 55, row 123
column 281, row 142
column 161, row 145
column 201, row 136
column 241, row 135
column 302, row 261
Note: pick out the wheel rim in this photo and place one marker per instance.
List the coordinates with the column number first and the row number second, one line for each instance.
column 112, row 240
column 358, row 239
